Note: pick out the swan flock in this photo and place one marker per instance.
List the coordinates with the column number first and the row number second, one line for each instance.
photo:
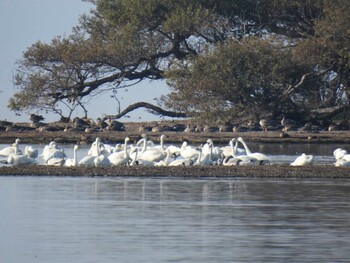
column 147, row 153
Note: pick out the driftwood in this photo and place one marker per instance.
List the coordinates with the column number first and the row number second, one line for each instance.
column 149, row 106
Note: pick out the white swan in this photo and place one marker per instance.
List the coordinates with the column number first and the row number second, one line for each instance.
column 181, row 162
column 55, row 161
column 121, row 157
column 136, row 161
column 52, row 150
column 31, row 152
column 214, row 152
column 151, row 155
column 240, row 159
column 189, row 152
column 227, row 150
column 19, row 159
column 339, row 153
column 262, row 158
column 5, row 152
column 204, row 159
column 166, row 161
column 102, row 161
column 342, row 162
column 88, row 160
column 303, row 159
column 72, row 162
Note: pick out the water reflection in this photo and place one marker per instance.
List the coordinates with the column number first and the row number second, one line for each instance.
column 173, row 220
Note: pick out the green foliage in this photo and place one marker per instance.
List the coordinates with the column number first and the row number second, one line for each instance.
column 221, row 58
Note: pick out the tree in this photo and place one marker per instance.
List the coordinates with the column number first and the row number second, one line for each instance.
column 272, row 46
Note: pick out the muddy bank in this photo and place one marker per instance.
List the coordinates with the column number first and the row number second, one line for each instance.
column 268, row 171
column 132, row 131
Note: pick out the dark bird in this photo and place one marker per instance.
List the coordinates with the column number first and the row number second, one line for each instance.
column 36, row 118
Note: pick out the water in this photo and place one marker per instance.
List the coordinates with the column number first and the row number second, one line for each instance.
column 56, row 219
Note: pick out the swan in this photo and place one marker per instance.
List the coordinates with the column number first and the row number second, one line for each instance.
column 18, row 158
column 151, row 155
column 88, row 160
column 181, row 162
column 262, row 158
column 166, row 161
column 214, row 152
column 72, row 162
column 102, row 161
column 55, row 161
column 140, row 143
column 204, row 159
column 302, row 160
column 342, row 162
column 94, row 151
column 5, row 152
column 136, row 161
column 187, row 151
column 31, row 152
column 227, row 150
column 339, row 153
column 122, row 157
column 239, row 159
column 52, row 150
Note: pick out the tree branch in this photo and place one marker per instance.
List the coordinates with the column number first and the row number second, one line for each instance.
column 149, row 106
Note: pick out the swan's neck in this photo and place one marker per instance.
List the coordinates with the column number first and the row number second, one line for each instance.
column 126, row 149
column 135, row 158
column 144, row 148
column 75, row 159
column 246, row 148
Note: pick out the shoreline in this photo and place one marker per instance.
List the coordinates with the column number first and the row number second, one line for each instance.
column 264, row 171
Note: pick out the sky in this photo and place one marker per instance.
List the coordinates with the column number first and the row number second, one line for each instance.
column 24, row 22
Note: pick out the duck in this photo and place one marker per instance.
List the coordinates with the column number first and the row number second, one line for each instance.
column 303, row 160
column 261, row 158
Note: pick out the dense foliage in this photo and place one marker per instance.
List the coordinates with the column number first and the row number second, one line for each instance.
column 221, row 58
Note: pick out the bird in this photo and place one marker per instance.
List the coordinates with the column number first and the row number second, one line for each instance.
column 303, row 159
column 262, row 158
column 187, row 151
column 72, row 162
column 121, row 157
column 165, row 161
column 31, row 152
column 5, row 152
column 36, row 118
column 264, row 123
column 52, row 150
column 288, row 124
column 17, row 158
column 339, row 153
column 152, row 154
column 102, row 161
column 239, row 159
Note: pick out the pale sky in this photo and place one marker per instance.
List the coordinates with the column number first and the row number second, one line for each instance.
column 24, row 22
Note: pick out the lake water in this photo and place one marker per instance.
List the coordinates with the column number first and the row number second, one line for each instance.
column 66, row 219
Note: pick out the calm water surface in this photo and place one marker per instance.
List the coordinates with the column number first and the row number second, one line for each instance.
column 55, row 219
